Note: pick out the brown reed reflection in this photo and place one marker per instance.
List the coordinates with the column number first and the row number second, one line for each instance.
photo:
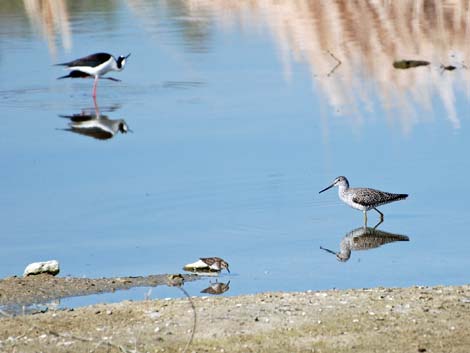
column 365, row 37
column 51, row 19
column 349, row 46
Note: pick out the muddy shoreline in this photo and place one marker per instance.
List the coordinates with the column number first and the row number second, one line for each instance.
column 43, row 288
column 416, row 319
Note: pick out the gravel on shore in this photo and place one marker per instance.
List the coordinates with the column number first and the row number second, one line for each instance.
column 416, row 319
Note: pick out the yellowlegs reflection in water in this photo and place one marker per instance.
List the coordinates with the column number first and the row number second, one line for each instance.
column 364, row 238
column 363, row 199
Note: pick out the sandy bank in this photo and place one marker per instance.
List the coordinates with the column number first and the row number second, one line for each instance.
column 417, row 319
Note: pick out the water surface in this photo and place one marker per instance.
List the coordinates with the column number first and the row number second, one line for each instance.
column 241, row 113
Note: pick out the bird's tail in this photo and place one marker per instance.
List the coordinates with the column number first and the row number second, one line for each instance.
column 400, row 197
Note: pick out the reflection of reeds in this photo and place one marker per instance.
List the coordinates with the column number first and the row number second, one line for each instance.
column 366, row 36
column 50, row 17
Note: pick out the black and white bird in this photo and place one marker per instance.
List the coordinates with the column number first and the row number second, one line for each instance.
column 95, row 66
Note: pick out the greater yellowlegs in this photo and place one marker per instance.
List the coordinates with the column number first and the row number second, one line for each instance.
column 95, row 65
column 208, row 264
column 364, row 238
column 363, row 199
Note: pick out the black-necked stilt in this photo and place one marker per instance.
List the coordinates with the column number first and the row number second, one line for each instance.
column 95, row 65
column 363, row 199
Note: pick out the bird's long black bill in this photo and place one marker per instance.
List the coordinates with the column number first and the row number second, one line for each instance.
column 127, row 56
column 329, row 187
column 328, row 250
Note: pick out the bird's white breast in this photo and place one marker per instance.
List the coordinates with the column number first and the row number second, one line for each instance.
column 99, row 70
column 347, row 198
column 93, row 124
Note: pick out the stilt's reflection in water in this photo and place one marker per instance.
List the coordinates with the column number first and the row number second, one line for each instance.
column 364, row 238
column 90, row 122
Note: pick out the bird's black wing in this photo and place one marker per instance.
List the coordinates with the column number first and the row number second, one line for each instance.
column 75, row 74
column 94, row 132
column 90, row 60
column 79, row 118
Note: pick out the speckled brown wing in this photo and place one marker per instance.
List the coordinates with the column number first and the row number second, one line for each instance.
column 374, row 198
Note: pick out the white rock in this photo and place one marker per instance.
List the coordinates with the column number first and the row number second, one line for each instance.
column 51, row 267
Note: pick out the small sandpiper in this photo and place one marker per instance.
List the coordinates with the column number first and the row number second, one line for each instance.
column 363, row 199
column 209, row 264
column 95, row 65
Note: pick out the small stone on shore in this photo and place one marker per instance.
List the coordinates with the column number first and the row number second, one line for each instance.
column 50, row 267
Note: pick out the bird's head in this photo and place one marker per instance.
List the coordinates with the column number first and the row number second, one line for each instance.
column 339, row 181
column 224, row 264
column 121, row 61
column 123, row 127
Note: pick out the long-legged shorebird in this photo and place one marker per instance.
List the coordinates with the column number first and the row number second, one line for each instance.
column 95, row 65
column 363, row 199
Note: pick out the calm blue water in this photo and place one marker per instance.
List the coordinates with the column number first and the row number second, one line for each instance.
column 237, row 124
